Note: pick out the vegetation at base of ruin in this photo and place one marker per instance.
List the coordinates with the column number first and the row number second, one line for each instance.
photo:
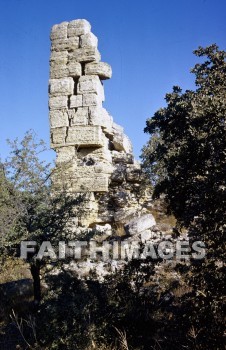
column 149, row 304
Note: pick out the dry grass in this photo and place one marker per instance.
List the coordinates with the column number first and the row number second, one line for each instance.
column 182, row 290
column 102, row 347
column 121, row 341
column 13, row 270
column 162, row 218
column 119, row 230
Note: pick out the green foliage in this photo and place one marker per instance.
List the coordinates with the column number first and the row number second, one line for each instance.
column 31, row 208
column 186, row 152
column 185, row 157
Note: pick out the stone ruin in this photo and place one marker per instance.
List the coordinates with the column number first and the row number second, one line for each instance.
column 93, row 153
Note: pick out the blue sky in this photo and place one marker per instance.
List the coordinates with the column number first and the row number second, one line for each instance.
column 148, row 43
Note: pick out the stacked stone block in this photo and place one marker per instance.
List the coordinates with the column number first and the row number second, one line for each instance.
column 93, row 152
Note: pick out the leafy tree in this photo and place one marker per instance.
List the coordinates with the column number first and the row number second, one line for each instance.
column 186, row 152
column 8, row 211
column 33, row 209
column 185, row 158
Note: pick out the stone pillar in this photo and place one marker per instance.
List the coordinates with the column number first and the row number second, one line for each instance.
column 93, row 152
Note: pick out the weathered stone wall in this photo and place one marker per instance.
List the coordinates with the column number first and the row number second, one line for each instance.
column 93, row 152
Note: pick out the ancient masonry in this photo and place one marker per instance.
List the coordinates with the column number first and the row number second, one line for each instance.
column 93, row 152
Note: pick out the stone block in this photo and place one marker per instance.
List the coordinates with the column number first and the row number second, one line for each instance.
column 78, row 27
column 124, row 215
column 140, row 224
column 88, row 39
column 146, row 236
column 91, row 100
column 117, row 128
column 121, row 141
column 74, row 69
column 76, row 101
column 58, row 71
column 98, row 183
column 65, row 154
column 90, row 84
column 122, row 157
column 88, row 171
column 58, row 118
column 85, row 54
column 71, row 113
column 102, row 69
column 64, row 70
column 98, row 154
column 99, row 116
column 80, row 117
column 103, row 154
column 62, row 87
column 103, row 229
column 59, row 31
column 58, row 102
column 85, row 136
column 58, row 136
column 103, row 168
column 58, row 58
column 65, row 44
